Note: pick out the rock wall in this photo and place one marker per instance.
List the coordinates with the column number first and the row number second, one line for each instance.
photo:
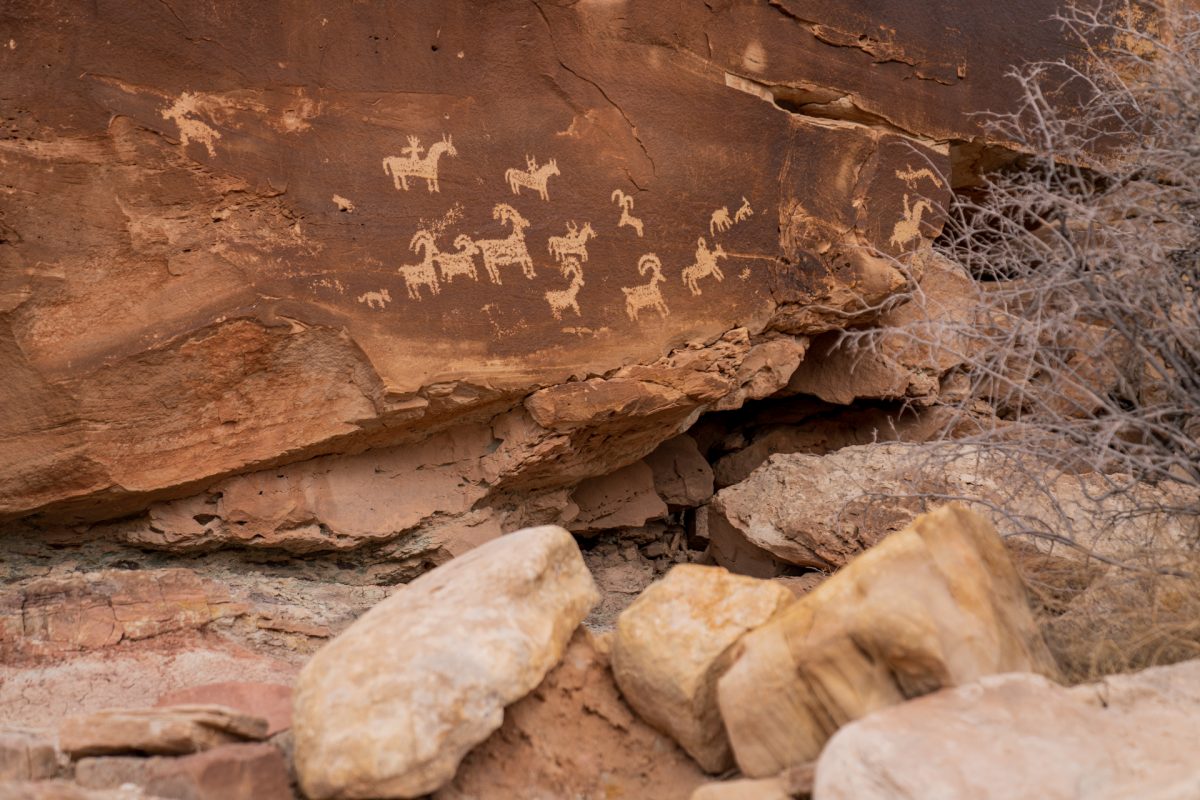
column 306, row 276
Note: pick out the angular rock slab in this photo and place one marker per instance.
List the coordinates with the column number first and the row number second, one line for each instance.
column 937, row 604
column 1020, row 735
column 391, row 706
column 271, row 701
column 169, row 730
column 672, row 644
column 26, row 756
column 231, row 772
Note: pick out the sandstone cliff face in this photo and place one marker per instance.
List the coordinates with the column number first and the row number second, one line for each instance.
column 303, row 277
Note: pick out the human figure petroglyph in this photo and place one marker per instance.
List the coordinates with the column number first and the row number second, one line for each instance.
column 626, row 204
column 562, row 299
column 512, row 250
column 909, row 226
column 458, row 263
column 533, row 177
column 412, row 165
column 574, row 243
column 705, row 265
column 423, row 274
column 910, row 176
column 719, row 221
column 744, row 212
column 647, row 295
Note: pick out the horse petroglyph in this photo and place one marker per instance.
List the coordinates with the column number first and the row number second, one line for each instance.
column 533, row 177
column 705, row 265
column 910, row 176
column 423, row 274
column 909, row 226
column 412, row 165
column 626, row 204
column 648, row 295
column 574, row 243
column 512, row 250
column 719, row 221
column 562, row 299
column 744, row 212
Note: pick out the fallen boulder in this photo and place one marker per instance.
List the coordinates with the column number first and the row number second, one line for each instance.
column 230, row 772
column 390, row 707
column 935, row 605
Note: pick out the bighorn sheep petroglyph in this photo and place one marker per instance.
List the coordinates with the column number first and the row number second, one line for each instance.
column 562, row 299
column 626, row 204
column 647, row 295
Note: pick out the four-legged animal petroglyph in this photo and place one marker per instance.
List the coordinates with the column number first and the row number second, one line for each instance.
column 411, row 165
column 647, row 295
column 378, row 299
column 719, row 221
column 626, row 204
column 909, row 226
column 533, row 177
column 461, row 262
column 705, row 265
column 502, row 252
column 423, row 274
column 562, row 299
column 574, row 243
column 744, row 212
column 910, row 176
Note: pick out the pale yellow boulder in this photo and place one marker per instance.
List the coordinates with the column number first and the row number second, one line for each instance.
column 935, row 605
column 389, row 708
column 673, row 643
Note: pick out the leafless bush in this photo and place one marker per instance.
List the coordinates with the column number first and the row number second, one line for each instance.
column 1081, row 359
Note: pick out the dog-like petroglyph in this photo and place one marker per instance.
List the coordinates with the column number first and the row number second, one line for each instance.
column 704, row 265
column 532, row 177
column 511, row 250
column 561, row 300
column 378, row 300
column 627, row 218
column 910, row 176
column 574, row 243
column 647, row 295
column 744, row 212
column 908, row 228
column 719, row 221
column 410, row 164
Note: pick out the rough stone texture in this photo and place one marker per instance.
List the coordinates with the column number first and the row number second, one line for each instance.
column 793, row 782
column 65, row 790
column 170, row 730
column 230, row 772
column 26, row 756
column 574, row 736
column 625, row 498
column 390, row 707
column 270, row 701
column 935, row 605
column 100, row 609
column 682, row 477
column 673, row 643
column 227, row 268
column 1020, row 735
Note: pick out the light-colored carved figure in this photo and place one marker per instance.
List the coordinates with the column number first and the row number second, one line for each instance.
column 533, row 177
column 626, row 204
column 705, row 265
column 910, row 176
column 719, row 221
column 909, row 226
column 744, row 212
column 458, row 263
column 574, row 243
column 423, row 274
column 562, row 299
column 412, row 165
column 377, row 300
column 647, row 295
column 512, row 250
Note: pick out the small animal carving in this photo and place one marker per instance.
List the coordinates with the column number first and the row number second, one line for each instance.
column 626, row 204
column 910, row 176
column 908, row 228
column 562, row 299
column 511, row 250
column 412, row 165
column 574, row 243
column 719, row 221
column 423, row 274
column 647, row 295
column 744, row 212
column 461, row 262
column 705, row 265
column 532, row 177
